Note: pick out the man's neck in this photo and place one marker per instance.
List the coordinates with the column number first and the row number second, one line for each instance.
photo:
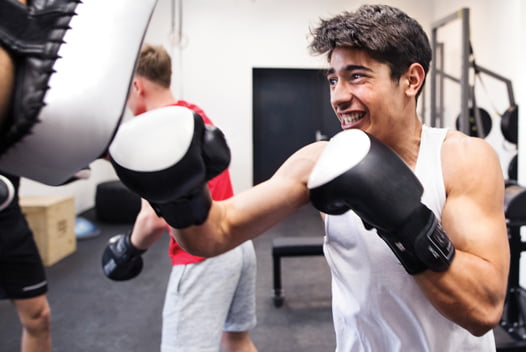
column 408, row 141
column 162, row 98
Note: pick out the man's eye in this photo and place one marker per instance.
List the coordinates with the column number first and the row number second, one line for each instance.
column 357, row 76
column 332, row 81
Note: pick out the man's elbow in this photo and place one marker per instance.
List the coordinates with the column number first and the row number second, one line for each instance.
column 486, row 321
column 197, row 245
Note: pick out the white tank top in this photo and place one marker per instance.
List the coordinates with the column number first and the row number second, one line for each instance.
column 377, row 306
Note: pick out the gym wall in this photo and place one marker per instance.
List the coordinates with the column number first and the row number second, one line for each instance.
column 223, row 40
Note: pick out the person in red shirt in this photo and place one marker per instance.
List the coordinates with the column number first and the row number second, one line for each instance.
column 210, row 302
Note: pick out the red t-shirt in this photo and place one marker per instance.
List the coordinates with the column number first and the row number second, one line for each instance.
column 220, row 188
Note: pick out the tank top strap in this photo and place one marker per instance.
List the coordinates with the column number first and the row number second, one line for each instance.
column 429, row 168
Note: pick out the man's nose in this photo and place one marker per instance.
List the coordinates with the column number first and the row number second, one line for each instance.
column 341, row 94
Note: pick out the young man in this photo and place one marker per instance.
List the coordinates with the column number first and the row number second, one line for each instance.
column 209, row 302
column 421, row 260
column 23, row 279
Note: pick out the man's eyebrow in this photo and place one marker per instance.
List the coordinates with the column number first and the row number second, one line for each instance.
column 349, row 68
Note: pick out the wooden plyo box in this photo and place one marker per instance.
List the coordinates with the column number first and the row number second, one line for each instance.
column 52, row 220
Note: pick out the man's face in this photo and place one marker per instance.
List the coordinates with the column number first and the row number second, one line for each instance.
column 363, row 95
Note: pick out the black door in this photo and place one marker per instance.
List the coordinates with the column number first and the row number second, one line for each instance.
column 291, row 108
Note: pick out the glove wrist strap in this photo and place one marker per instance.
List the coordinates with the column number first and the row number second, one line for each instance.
column 129, row 248
column 411, row 263
column 423, row 236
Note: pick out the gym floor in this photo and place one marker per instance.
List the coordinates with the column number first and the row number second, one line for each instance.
column 90, row 313
column 93, row 314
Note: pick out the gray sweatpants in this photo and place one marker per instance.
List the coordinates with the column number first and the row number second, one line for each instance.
column 206, row 298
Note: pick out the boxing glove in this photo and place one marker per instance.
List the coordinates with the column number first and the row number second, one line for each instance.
column 120, row 259
column 358, row 172
column 166, row 156
column 7, row 192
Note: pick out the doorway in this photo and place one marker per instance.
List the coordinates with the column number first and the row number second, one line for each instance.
column 291, row 108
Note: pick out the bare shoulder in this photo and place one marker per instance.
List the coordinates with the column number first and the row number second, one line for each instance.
column 469, row 161
column 458, row 146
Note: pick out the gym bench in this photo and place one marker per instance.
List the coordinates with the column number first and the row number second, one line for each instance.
column 291, row 247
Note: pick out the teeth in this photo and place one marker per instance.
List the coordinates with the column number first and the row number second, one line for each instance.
column 352, row 117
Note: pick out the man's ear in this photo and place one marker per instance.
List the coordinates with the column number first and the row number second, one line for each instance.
column 414, row 79
column 137, row 85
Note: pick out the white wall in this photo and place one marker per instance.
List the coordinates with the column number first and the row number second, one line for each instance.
column 83, row 190
column 223, row 40
column 495, row 36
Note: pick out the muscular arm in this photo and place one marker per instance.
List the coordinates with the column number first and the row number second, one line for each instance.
column 252, row 212
column 472, row 292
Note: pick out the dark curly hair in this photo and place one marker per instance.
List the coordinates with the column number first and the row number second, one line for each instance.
column 387, row 34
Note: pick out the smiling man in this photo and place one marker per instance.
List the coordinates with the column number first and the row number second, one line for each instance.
column 415, row 231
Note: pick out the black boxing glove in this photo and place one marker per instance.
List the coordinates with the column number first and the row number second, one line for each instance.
column 357, row 172
column 120, row 259
column 166, row 156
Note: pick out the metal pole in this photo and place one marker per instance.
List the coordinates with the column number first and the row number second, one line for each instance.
column 464, row 78
column 433, row 92
column 509, row 85
column 441, row 86
column 436, row 116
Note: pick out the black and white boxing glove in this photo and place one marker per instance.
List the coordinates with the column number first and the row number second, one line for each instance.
column 53, row 127
column 120, row 259
column 166, row 156
column 7, row 192
column 358, row 172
